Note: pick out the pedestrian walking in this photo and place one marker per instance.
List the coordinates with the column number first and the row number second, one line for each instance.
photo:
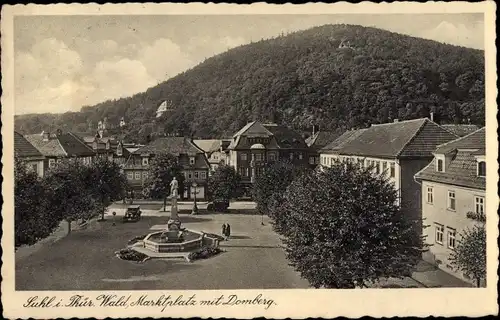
column 224, row 230
column 228, row 231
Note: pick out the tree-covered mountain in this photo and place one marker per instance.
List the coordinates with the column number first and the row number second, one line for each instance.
column 333, row 76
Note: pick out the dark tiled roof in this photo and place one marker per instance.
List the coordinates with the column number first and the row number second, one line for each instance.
column 411, row 138
column 475, row 140
column 286, row 138
column 321, row 139
column 50, row 148
column 65, row 144
column 337, row 144
column 460, row 129
column 170, row 145
column 462, row 169
column 24, row 148
column 208, row 145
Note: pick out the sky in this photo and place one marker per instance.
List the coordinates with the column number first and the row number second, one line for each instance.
column 65, row 62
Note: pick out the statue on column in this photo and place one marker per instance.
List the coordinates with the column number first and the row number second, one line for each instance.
column 174, row 223
column 174, row 186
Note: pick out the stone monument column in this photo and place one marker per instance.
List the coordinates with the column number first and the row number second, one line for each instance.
column 174, row 222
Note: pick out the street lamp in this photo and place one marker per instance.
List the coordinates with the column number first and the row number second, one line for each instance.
column 195, row 207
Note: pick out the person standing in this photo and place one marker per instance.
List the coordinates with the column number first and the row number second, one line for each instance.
column 228, row 231
column 224, row 230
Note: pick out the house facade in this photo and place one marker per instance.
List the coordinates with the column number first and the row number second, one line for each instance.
column 453, row 192
column 316, row 142
column 195, row 166
column 58, row 146
column 215, row 151
column 397, row 150
column 257, row 144
column 107, row 148
column 25, row 151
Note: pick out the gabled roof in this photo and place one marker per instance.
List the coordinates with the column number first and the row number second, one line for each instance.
column 286, row 138
column 475, row 140
column 462, row 168
column 460, row 129
column 253, row 128
column 337, row 144
column 170, row 145
column 23, row 148
column 208, row 145
column 63, row 145
column 321, row 139
column 411, row 138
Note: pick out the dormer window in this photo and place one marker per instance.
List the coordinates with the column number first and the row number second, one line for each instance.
column 440, row 164
column 119, row 151
column 191, row 160
column 145, row 161
column 481, row 168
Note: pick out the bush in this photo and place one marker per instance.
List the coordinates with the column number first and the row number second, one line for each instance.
column 204, row 253
column 131, row 255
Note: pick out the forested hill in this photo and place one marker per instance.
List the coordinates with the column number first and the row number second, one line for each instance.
column 302, row 79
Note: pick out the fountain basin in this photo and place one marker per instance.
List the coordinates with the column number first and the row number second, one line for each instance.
column 190, row 241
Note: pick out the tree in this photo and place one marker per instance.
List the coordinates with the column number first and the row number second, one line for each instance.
column 273, row 183
column 341, row 228
column 108, row 182
column 33, row 218
column 224, row 183
column 162, row 169
column 469, row 255
column 70, row 192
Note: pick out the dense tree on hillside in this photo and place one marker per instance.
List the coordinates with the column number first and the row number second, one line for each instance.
column 224, row 184
column 34, row 217
column 162, row 169
column 341, row 228
column 301, row 79
column 272, row 184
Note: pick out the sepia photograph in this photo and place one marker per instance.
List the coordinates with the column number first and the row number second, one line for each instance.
column 211, row 157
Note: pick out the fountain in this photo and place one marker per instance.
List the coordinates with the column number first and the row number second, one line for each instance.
column 174, row 241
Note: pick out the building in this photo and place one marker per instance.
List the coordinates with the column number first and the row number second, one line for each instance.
column 316, row 142
column 215, row 151
column 192, row 159
column 55, row 147
column 107, row 148
column 25, row 151
column 163, row 108
column 453, row 188
column 398, row 150
column 256, row 144
column 330, row 152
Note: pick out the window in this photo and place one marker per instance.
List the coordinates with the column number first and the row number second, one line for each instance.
column 130, row 175
column 439, row 233
column 258, row 157
column 145, row 175
column 479, row 204
column 311, row 160
column 190, row 175
column 451, row 200
column 119, row 152
column 430, row 195
column 34, row 167
column 439, row 165
column 300, row 155
column 145, row 161
column 451, row 238
column 291, row 156
column 272, row 157
column 203, row 175
column 384, row 166
column 377, row 167
column 244, row 156
column 52, row 163
column 481, row 169
column 247, row 172
column 137, row 175
column 331, row 161
column 191, row 160
column 393, row 169
column 196, row 175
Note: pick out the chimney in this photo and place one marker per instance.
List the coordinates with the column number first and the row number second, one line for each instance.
column 396, row 120
column 432, row 116
column 46, row 136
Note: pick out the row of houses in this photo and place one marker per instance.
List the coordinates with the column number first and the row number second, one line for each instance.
column 438, row 172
